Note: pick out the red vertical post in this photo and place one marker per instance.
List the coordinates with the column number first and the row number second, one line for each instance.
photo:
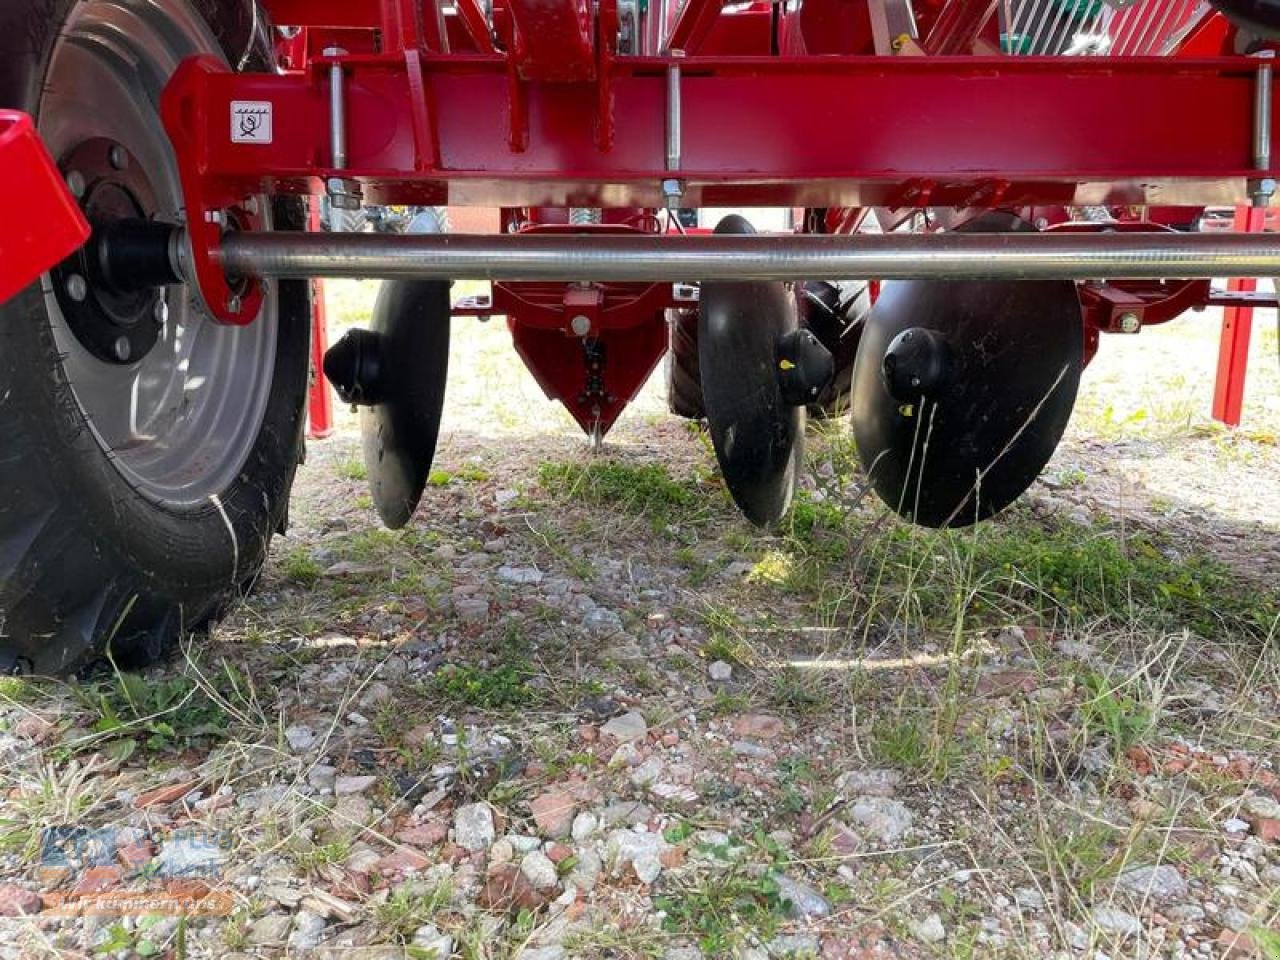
column 1237, row 325
column 319, row 401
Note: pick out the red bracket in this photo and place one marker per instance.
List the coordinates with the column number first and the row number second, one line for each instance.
column 50, row 225
column 183, row 107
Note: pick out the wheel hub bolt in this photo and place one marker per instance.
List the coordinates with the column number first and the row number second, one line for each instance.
column 122, row 348
column 75, row 183
column 77, row 289
column 117, row 157
column 1130, row 322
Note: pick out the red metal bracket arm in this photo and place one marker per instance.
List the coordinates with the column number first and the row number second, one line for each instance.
column 693, row 25
column 473, row 19
column 553, row 40
column 211, row 205
column 50, row 226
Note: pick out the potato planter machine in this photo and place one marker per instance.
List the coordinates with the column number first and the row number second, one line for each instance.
column 978, row 189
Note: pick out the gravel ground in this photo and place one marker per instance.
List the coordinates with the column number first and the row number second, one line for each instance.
column 580, row 709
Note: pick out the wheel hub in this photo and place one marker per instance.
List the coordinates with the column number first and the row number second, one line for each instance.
column 118, row 316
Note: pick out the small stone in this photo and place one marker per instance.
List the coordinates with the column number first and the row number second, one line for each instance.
column 1116, row 921
column 720, row 671
column 1029, row 898
column 519, row 575
column 1185, row 912
column 473, row 827
column 503, row 851
column 506, row 887
column 163, row 796
column 794, row 945
column 322, row 777
column 352, row 568
column 641, row 850
column 1236, row 919
column 471, row 609
column 300, row 737
column 758, row 726
column 307, row 931
column 1162, row 882
column 870, row 783
column 884, row 819
column 929, row 930
column 428, row 940
column 627, row 727
column 1237, row 945
column 18, row 901
column 553, row 812
column 349, row 786
column 538, row 869
column 602, row 622
column 553, row 952
column 584, row 825
column 586, row 871
column 269, row 930
column 803, row 900
column 1235, row 825
column 745, row 748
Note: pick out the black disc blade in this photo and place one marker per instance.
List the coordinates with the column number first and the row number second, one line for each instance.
column 962, row 390
column 757, row 436
column 412, row 317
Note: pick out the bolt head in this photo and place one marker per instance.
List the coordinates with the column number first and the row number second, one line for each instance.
column 77, row 289
column 118, row 157
column 233, row 303
column 1130, row 322
column 75, row 183
column 122, row 348
column 581, row 325
column 160, row 312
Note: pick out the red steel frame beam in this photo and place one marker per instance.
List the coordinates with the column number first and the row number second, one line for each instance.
column 749, row 132
column 757, row 131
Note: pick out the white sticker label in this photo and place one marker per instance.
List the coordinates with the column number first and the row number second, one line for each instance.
column 250, row 121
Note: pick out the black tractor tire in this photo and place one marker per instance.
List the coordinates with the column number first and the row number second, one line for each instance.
column 88, row 563
column 684, row 379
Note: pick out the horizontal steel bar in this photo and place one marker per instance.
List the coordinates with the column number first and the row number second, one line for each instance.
column 1133, row 256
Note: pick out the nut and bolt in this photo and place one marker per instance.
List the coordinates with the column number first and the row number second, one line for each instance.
column 581, row 325
column 1130, row 322
column 122, row 348
column 160, row 312
column 77, row 289
column 233, row 303
column 213, row 216
column 118, row 157
column 75, row 183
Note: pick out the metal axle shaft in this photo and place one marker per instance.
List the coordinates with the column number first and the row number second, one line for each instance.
column 946, row 256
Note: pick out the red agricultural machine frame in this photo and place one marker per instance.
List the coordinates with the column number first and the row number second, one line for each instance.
column 546, row 106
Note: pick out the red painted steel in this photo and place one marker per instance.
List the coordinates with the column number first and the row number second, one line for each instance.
column 545, row 115
column 319, row 399
column 552, row 40
column 757, row 131
column 47, row 224
column 1237, row 326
